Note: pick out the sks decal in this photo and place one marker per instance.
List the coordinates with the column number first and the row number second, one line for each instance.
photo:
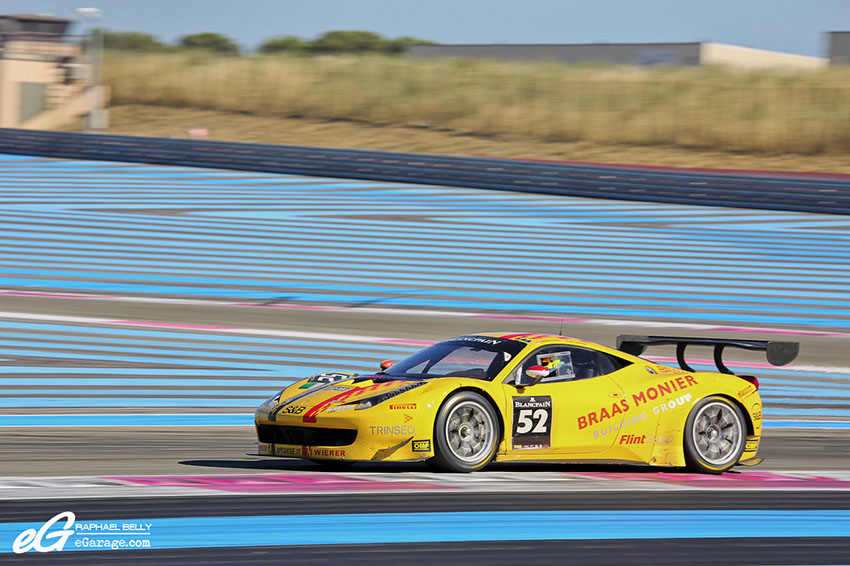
column 292, row 410
column 532, row 422
column 273, row 413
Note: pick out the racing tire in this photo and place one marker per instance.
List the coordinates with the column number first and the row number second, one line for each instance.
column 715, row 435
column 466, row 434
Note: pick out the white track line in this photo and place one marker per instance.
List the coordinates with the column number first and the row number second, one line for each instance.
column 423, row 312
column 291, row 334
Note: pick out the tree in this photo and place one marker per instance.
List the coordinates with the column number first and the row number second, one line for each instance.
column 400, row 44
column 347, row 42
column 132, row 41
column 289, row 43
column 211, row 42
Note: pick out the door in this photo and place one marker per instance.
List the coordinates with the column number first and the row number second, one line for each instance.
column 575, row 410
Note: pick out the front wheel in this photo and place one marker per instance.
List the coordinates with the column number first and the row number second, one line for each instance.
column 715, row 435
column 466, row 433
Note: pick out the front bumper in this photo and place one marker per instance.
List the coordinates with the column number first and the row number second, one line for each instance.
column 399, row 443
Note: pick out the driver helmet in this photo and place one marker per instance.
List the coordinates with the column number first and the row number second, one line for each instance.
column 552, row 363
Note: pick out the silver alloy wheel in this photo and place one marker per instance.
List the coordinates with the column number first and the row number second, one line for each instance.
column 470, row 432
column 717, row 433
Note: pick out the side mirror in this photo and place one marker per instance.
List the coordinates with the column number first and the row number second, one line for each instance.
column 532, row 376
column 386, row 364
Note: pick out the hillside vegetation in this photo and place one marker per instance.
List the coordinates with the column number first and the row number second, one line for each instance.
column 706, row 108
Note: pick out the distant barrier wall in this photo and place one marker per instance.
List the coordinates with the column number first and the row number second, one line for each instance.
column 773, row 191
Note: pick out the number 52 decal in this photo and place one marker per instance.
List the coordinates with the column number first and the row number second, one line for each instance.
column 532, row 422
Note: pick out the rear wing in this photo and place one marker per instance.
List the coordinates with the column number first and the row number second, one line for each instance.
column 778, row 353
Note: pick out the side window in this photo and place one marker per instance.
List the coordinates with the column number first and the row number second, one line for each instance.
column 568, row 363
column 559, row 363
column 610, row 364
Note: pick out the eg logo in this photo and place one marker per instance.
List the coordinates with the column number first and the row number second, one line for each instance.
column 31, row 539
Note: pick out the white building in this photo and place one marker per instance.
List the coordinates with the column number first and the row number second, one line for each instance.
column 44, row 77
column 839, row 47
column 628, row 54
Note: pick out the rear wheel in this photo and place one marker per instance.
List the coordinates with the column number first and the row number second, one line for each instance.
column 466, row 433
column 715, row 435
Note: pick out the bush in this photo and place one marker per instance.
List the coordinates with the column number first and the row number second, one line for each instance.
column 132, row 41
column 288, row 44
column 398, row 45
column 347, row 42
column 214, row 42
column 360, row 42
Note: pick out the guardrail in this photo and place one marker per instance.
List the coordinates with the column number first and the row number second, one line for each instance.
column 760, row 191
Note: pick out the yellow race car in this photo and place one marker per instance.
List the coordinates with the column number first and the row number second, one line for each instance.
column 468, row 401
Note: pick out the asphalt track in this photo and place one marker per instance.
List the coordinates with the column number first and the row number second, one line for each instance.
column 74, row 343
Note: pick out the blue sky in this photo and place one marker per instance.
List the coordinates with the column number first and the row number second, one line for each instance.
column 794, row 26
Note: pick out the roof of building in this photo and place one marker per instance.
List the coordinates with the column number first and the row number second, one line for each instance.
column 34, row 18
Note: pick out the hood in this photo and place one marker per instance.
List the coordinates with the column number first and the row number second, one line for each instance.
column 353, row 394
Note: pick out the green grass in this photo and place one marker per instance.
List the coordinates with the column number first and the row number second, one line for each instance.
column 706, row 108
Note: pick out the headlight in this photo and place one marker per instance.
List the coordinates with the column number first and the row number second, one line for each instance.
column 276, row 399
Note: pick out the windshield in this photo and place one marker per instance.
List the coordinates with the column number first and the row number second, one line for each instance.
column 478, row 357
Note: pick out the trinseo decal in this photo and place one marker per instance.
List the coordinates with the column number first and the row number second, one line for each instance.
column 396, row 430
column 642, row 398
column 532, row 422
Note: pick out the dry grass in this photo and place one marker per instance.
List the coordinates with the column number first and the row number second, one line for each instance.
column 706, row 108
column 233, row 126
